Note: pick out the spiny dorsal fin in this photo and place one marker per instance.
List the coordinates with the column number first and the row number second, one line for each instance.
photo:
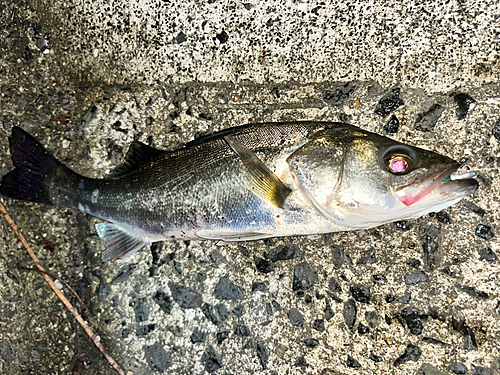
column 264, row 182
column 138, row 154
column 119, row 244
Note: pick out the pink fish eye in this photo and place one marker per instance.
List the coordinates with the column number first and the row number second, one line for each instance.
column 398, row 164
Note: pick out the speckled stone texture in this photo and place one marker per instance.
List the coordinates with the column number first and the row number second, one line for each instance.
column 416, row 297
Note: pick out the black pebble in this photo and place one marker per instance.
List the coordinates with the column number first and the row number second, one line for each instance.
column 141, row 310
column 243, row 250
column 351, row 362
column 379, row 277
column 484, row 231
column 104, row 290
column 241, row 330
column 184, row 296
column 125, row 333
column 276, row 305
column 443, row 217
column 334, row 286
column 372, row 318
column 201, row 276
column 474, row 208
column 390, row 298
column 259, row 287
column 392, row 126
column 458, row 368
column 211, row 360
column 262, row 354
column 263, row 265
column 489, row 159
column 226, row 290
column 403, row 225
column 389, row 103
column 296, row 317
column 238, row 310
column 405, row 298
column 433, row 341
column 349, row 313
column 209, row 313
column 328, row 312
column 198, row 336
column 388, row 319
column 376, row 358
column 269, row 309
column 412, row 262
column 412, row 353
column 471, row 291
column 144, row 330
column 319, row 325
column 478, row 370
column 222, row 311
column 427, row 121
column 308, row 298
column 123, row 274
column 413, row 278
column 301, row 362
column 368, row 257
column 496, row 131
column 362, row 329
column 157, row 358
column 206, row 116
column 304, row 276
column 311, row 343
column 338, row 255
column 469, row 338
column 221, row 336
column 339, row 96
column 180, row 38
column 415, row 319
column 284, row 252
column 164, row 301
column 222, row 37
column 463, row 103
column 487, row 254
column 360, row 293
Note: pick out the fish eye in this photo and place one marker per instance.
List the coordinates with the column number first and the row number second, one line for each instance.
column 399, row 164
column 400, row 160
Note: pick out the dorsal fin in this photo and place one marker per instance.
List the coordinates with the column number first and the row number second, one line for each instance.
column 138, row 154
column 264, row 182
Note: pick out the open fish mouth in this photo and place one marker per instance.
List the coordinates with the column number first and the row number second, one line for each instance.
column 452, row 183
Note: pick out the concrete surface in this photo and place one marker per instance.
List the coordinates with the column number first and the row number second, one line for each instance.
column 88, row 78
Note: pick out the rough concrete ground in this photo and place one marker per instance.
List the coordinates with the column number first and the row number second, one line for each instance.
column 166, row 72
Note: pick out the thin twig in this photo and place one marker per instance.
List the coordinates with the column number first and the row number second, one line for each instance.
column 59, row 294
column 61, row 280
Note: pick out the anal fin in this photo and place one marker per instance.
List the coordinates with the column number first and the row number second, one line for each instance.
column 265, row 184
column 119, row 244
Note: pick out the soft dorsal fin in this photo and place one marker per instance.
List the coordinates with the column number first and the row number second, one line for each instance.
column 138, row 154
column 265, row 183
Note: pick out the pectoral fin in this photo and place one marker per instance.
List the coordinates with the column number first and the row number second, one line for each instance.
column 264, row 183
column 119, row 244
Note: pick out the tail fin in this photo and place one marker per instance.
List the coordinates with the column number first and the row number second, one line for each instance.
column 35, row 167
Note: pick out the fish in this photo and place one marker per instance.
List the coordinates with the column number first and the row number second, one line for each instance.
column 245, row 183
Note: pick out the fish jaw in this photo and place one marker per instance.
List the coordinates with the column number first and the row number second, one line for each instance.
column 437, row 192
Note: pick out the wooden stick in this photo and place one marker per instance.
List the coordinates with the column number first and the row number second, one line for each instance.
column 95, row 338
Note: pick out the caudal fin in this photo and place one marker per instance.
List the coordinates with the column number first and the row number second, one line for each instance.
column 34, row 169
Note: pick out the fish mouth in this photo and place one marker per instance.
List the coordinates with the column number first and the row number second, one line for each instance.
column 452, row 183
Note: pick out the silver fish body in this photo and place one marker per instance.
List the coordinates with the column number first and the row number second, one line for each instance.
column 246, row 183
